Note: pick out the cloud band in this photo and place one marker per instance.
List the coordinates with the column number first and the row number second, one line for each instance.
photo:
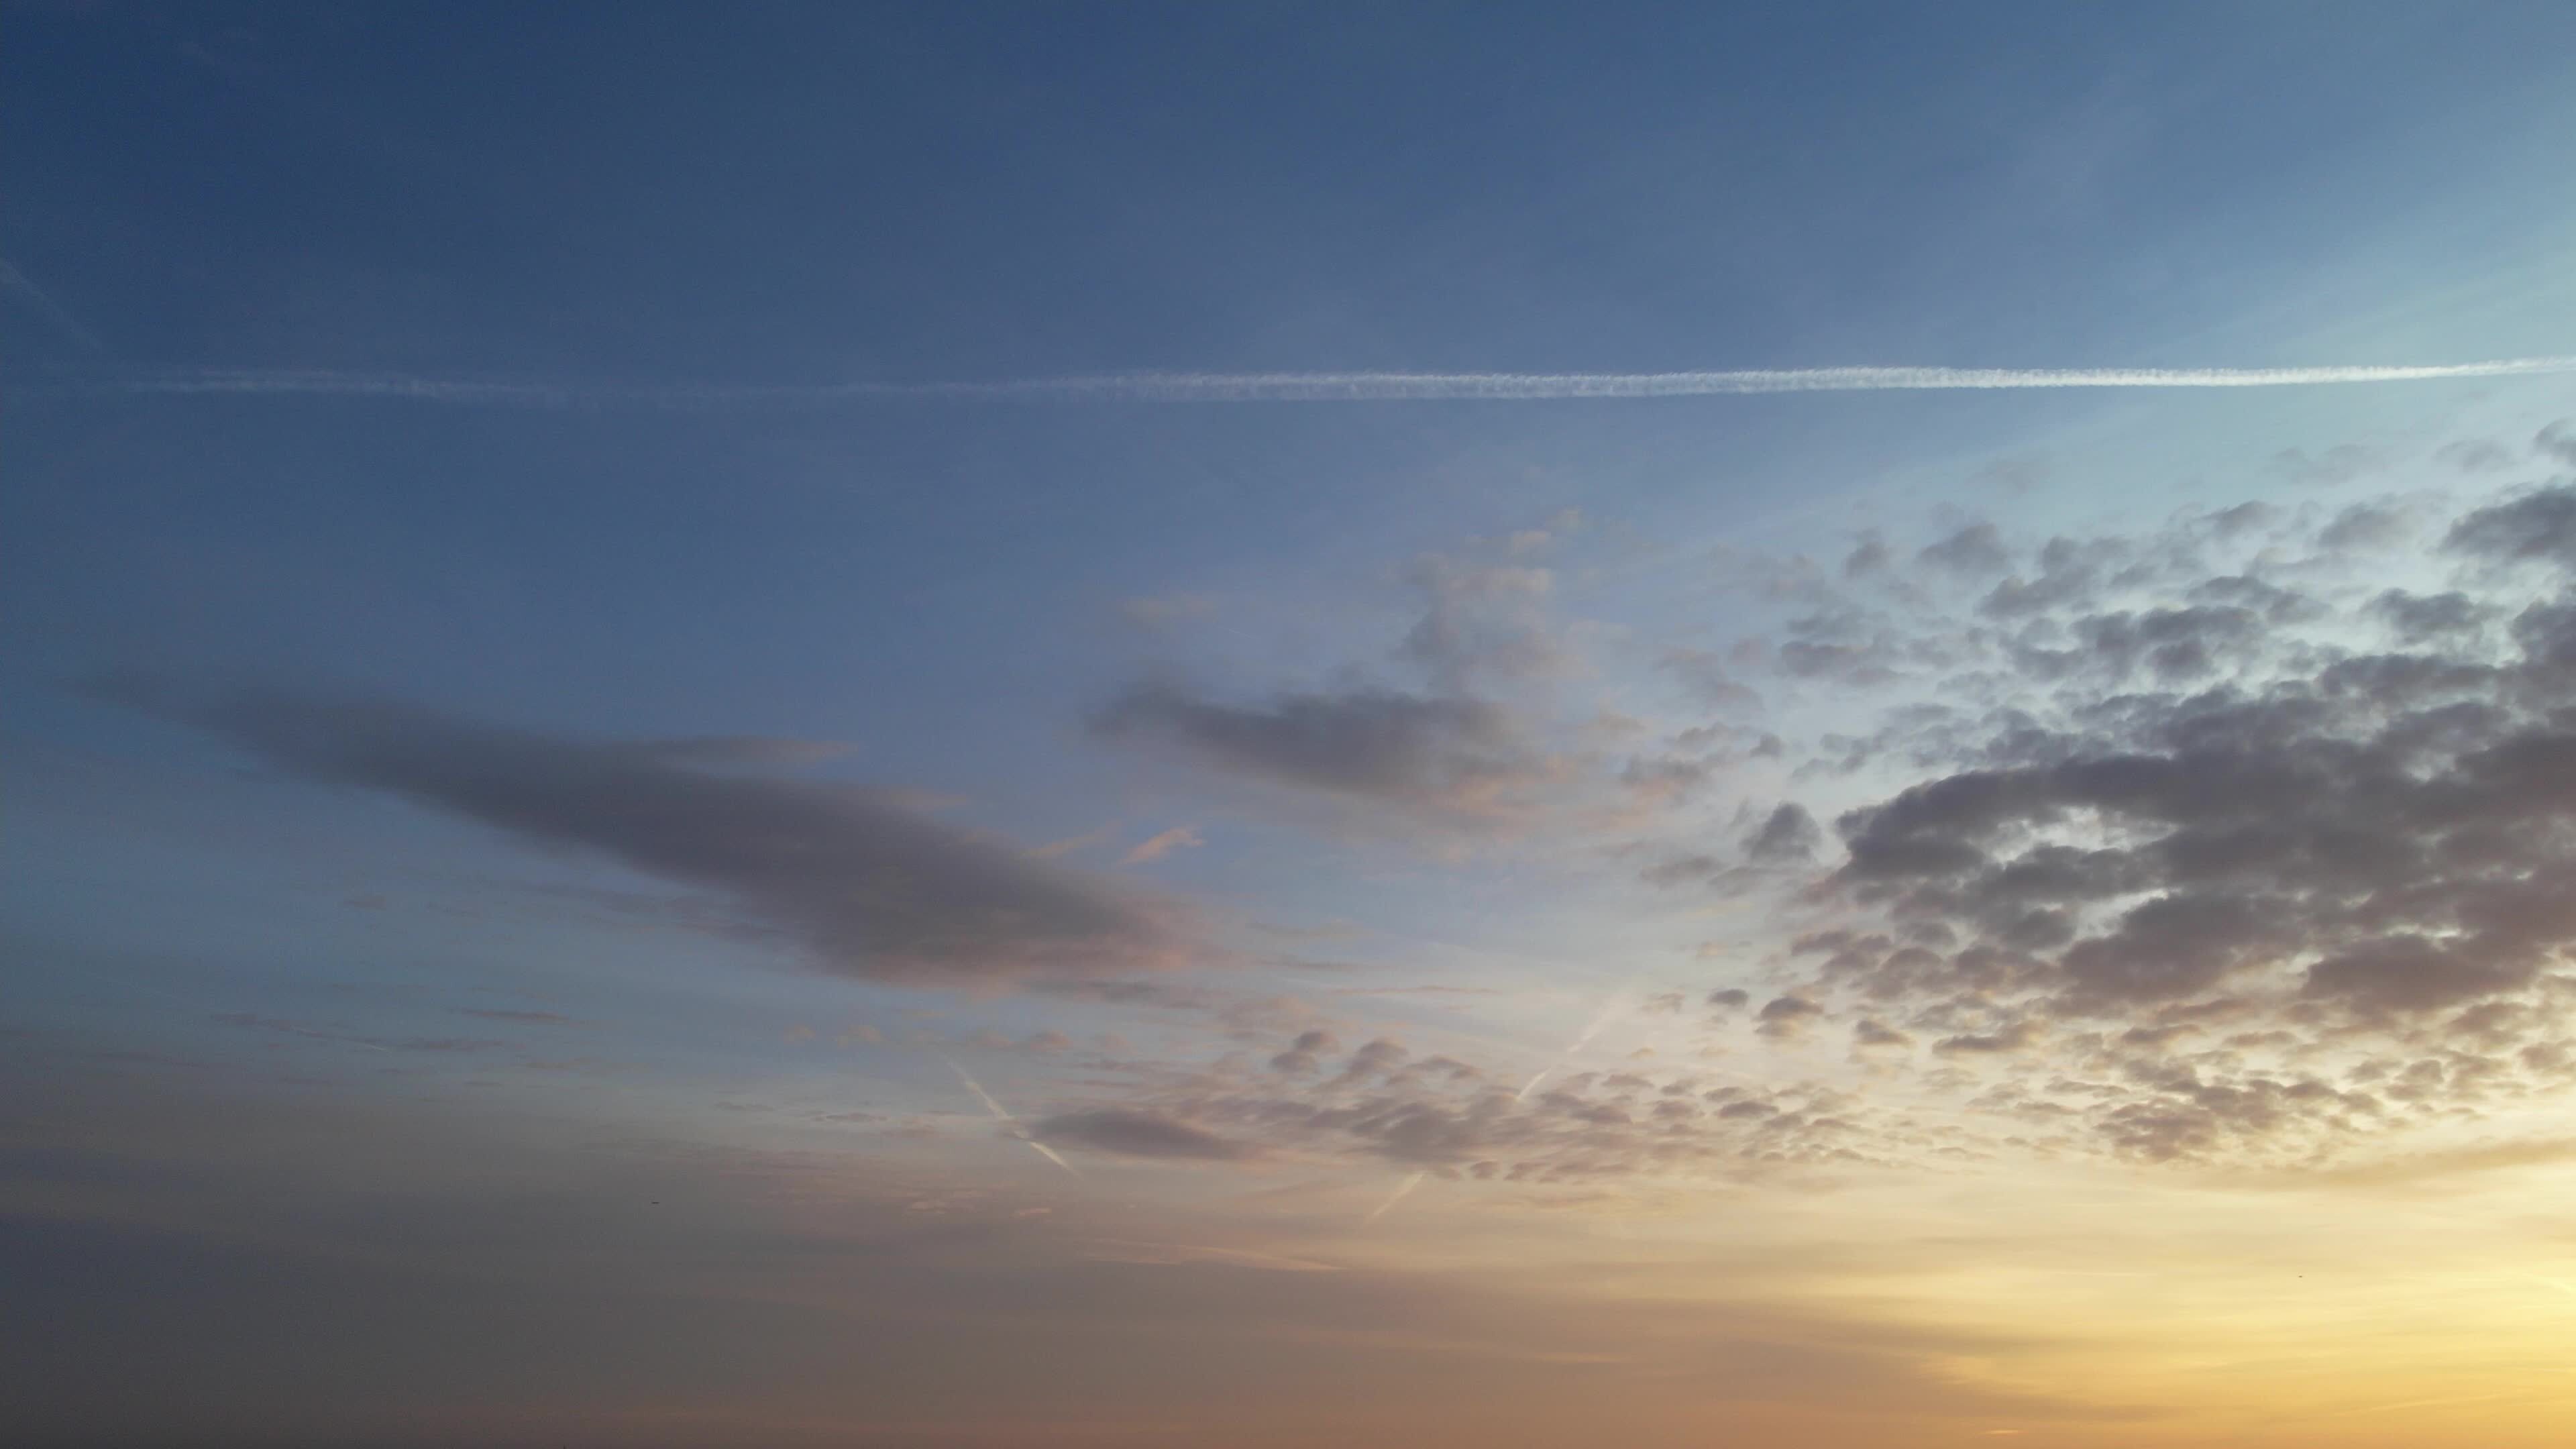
column 1258, row 387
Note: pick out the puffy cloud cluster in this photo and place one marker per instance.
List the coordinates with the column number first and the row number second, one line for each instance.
column 1435, row 1113
column 2219, row 864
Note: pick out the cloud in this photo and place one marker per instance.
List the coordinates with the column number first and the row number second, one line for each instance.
column 1868, row 558
column 1163, row 611
column 1483, row 622
column 1706, row 676
column 1430, row 754
column 1305, row 1054
column 2336, row 465
column 1784, row 1018
column 1179, row 837
column 2416, row 618
column 739, row 751
column 1870, row 1032
column 2418, row 1169
column 1685, row 870
column 1140, row 1134
column 250, row 1022
column 1976, row 550
column 1786, row 834
column 2475, row 455
column 1302, row 387
column 2362, row 527
column 1455, row 1118
column 1067, row 845
column 1480, row 742
column 17, row 284
column 2540, row 525
column 2210, row 868
column 1378, row 1058
column 870, row 886
column 521, row 1018
column 2011, row 1038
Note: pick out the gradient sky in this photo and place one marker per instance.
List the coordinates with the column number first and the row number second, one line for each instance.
column 566, row 883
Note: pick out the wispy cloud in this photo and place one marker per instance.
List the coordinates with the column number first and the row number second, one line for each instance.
column 1261, row 387
column 1401, row 1191
column 1129, row 1133
column 1003, row 1115
column 1179, row 837
column 18, row 284
column 872, row 886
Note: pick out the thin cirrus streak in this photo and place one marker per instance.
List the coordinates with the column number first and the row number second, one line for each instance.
column 1609, row 1009
column 1180, row 387
column 1003, row 1115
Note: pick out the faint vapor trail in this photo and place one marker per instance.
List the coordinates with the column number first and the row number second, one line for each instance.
column 1397, row 1196
column 1269, row 387
column 1609, row 1009
column 1582, row 1039
column 37, row 300
column 1002, row 1115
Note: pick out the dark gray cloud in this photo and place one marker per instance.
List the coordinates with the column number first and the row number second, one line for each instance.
column 2339, row 464
column 1706, row 675
column 1450, row 1117
column 250, row 1022
column 872, row 887
column 1786, row 1017
column 1483, row 621
column 1683, row 870
column 1974, row 551
column 1378, row 1058
column 1449, row 755
column 2071, row 574
column 1871, row 557
column 2475, row 455
column 522, row 1018
column 739, row 751
column 1305, row 1054
column 1871, row 1032
column 1140, row 1134
column 1786, row 834
column 2540, row 525
column 2416, row 618
column 2362, row 527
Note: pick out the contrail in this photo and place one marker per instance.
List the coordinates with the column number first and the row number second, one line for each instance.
column 1002, row 1115
column 1582, row 1039
column 1609, row 1008
column 1251, row 387
column 37, row 300
column 1397, row 1196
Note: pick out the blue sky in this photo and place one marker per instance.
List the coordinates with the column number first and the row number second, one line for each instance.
column 532, row 778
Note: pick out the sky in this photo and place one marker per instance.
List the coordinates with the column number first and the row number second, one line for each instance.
column 1501, row 725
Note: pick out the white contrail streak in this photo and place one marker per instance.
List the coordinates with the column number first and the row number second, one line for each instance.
column 1397, row 1196
column 43, row 304
column 1272, row 387
column 1003, row 1115
column 1582, row 1039
column 1609, row 1009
